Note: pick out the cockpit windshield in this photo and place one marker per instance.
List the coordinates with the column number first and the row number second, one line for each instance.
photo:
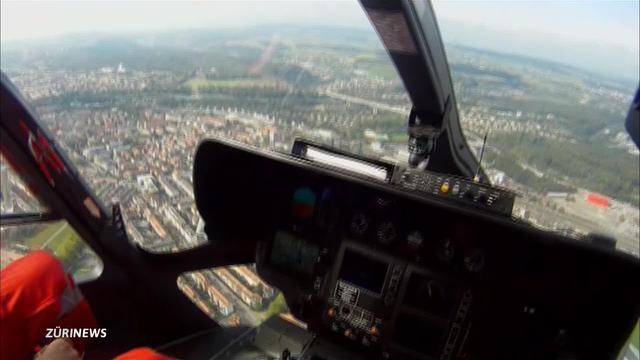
column 128, row 90
column 552, row 93
column 129, row 103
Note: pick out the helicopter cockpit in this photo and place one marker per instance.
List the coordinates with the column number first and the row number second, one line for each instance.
column 376, row 259
column 385, row 271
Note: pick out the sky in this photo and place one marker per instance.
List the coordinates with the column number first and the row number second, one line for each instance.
column 31, row 19
column 614, row 22
column 602, row 36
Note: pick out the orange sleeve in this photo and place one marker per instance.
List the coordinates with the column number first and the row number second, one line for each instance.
column 142, row 354
column 29, row 290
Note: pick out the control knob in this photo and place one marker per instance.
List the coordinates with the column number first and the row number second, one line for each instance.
column 474, row 260
column 386, row 232
column 359, row 224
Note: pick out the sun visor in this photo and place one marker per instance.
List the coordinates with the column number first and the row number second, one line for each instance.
column 393, row 30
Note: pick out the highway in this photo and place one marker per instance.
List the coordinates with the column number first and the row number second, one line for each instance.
column 372, row 104
column 53, row 236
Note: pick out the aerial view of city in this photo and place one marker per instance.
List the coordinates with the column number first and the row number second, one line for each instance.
column 130, row 110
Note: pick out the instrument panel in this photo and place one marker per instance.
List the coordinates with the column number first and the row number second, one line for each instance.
column 393, row 272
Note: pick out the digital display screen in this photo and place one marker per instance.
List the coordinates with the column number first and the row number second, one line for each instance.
column 291, row 253
column 364, row 272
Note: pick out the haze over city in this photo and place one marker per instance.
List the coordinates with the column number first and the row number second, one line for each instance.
column 593, row 35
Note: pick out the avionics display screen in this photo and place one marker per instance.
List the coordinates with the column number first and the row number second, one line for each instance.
column 291, row 253
column 362, row 271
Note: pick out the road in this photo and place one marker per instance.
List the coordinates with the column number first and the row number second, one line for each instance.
column 248, row 316
column 53, row 236
column 630, row 353
column 372, row 104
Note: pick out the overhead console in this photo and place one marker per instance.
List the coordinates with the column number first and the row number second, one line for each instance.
column 394, row 263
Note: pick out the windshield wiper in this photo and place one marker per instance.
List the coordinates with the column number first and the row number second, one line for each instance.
column 27, row 218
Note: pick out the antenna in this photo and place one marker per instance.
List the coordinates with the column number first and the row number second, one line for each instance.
column 476, row 177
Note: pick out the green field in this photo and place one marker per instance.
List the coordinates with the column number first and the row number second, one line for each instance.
column 376, row 66
column 196, row 84
column 41, row 237
column 635, row 336
column 634, row 340
column 57, row 237
column 277, row 306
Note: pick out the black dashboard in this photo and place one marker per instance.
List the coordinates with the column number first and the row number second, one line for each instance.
column 400, row 268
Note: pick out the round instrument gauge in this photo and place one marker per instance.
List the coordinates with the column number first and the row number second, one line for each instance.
column 446, row 250
column 386, row 233
column 415, row 239
column 474, row 260
column 359, row 224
